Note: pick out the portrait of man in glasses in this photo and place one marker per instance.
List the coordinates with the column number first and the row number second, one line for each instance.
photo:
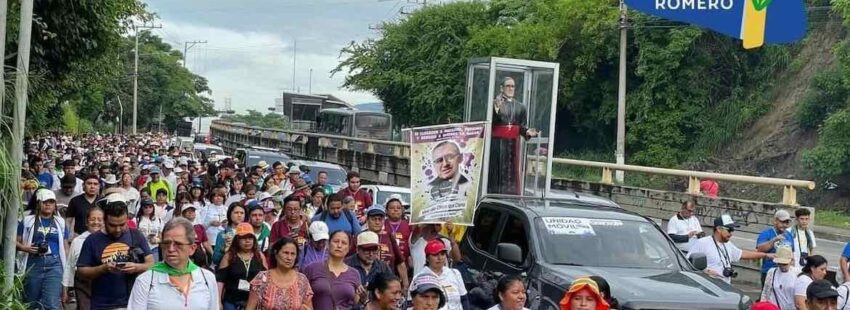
column 445, row 160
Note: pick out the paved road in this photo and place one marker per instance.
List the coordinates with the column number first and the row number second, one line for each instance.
column 829, row 249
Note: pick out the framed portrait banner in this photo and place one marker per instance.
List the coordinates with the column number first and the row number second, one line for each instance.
column 446, row 163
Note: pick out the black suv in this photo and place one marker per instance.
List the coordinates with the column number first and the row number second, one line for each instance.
column 554, row 241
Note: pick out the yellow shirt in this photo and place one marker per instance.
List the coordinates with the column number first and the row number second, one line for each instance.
column 457, row 235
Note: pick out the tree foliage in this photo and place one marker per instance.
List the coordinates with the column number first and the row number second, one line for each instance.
column 254, row 118
column 688, row 89
column 82, row 58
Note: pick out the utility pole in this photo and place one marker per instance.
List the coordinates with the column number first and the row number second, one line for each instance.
column 3, row 11
column 294, row 54
column 11, row 212
column 621, row 94
column 310, row 87
column 186, row 47
column 17, row 149
column 120, row 115
column 136, row 73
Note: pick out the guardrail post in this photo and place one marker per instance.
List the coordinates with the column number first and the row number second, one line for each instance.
column 693, row 185
column 789, row 195
column 370, row 148
column 607, row 176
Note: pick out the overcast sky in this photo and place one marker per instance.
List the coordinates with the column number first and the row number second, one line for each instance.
column 249, row 54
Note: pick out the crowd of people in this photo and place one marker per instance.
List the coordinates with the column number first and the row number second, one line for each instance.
column 792, row 275
column 118, row 222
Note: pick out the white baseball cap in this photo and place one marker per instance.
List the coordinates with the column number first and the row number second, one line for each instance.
column 367, row 238
column 319, row 231
column 45, row 195
column 782, row 215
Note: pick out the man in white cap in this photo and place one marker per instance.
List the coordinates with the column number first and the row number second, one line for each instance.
column 294, row 174
column 720, row 252
column 317, row 249
column 167, row 168
column 367, row 261
column 774, row 237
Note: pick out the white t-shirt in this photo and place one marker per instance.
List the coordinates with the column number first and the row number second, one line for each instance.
column 453, row 286
column 679, row 226
column 780, row 285
column 233, row 199
column 150, row 227
column 213, row 213
column 718, row 255
column 801, row 284
column 417, row 253
column 801, row 244
column 843, row 300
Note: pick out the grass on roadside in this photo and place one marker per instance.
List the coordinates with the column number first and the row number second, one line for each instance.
column 832, row 218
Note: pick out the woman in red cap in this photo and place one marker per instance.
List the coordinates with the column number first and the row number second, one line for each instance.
column 436, row 264
column 583, row 295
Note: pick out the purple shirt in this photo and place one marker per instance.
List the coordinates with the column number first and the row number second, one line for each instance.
column 329, row 290
column 311, row 255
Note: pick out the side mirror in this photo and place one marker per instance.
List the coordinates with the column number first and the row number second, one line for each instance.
column 698, row 260
column 509, row 252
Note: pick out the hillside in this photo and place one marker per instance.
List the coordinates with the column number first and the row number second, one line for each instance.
column 773, row 145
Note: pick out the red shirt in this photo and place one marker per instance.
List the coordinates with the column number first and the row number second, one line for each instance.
column 281, row 229
column 401, row 231
column 362, row 198
column 389, row 250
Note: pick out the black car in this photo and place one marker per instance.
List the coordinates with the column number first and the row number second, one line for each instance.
column 554, row 241
column 252, row 156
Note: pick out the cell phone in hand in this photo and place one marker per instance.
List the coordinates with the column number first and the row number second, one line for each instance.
column 121, row 265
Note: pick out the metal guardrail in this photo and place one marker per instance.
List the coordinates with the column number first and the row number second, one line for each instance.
column 789, row 192
column 397, row 149
column 402, row 150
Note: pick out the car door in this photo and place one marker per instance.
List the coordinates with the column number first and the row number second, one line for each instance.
column 479, row 240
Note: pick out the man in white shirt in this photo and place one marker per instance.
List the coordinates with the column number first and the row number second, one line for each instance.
column 804, row 237
column 779, row 284
column 720, row 252
column 167, row 169
column 684, row 227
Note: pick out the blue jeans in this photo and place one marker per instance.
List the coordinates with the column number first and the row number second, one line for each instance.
column 43, row 282
column 229, row 306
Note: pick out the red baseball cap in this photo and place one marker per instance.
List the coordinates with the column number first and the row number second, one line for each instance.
column 435, row 247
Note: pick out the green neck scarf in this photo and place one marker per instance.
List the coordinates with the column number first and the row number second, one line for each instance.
column 174, row 272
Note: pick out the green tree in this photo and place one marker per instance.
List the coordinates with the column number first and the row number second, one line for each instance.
column 688, row 89
column 74, row 48
column 163, row 84
column 254, row 118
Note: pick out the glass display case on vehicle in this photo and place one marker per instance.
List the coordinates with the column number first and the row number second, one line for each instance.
column 517, row 99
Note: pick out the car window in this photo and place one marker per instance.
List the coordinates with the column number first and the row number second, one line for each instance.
column 485, row 224
column 590, row 242
column 515, row 233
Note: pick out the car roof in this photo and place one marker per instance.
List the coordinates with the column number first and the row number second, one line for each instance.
column 560, row 207
column 256, row 151
column 317, row 164
column 391, row 188
column 206, row 146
